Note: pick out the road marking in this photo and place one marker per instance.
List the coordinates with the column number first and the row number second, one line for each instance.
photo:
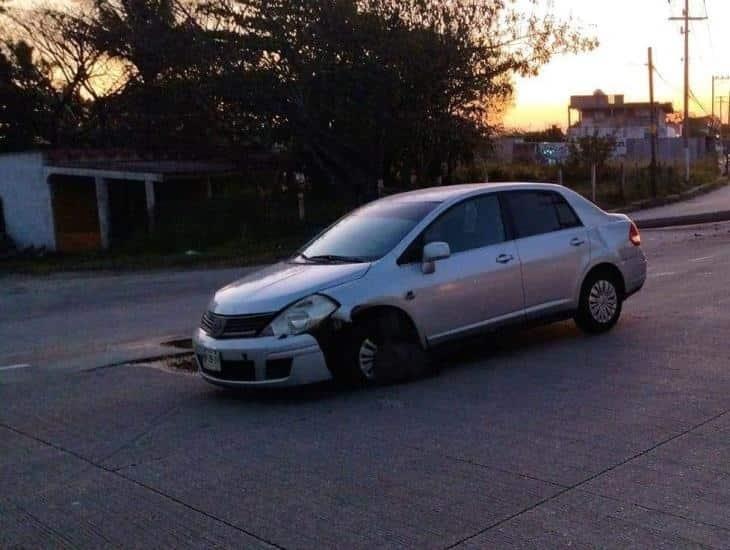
column 663, row 274
column 18, row 366
column 702, row 259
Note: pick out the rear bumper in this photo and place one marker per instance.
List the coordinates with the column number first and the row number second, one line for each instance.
column 267, row 361
column 634, row 272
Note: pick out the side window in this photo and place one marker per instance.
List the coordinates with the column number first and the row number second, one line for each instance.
column 474, row 223
column 566, row 216
column 533, row 212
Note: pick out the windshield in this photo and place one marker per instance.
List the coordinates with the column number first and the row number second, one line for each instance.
column 368, row 233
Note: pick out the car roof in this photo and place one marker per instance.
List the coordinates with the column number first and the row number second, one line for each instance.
column 450, row 192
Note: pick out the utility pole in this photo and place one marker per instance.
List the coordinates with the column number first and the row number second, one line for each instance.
column 652, row 166
column 722, row 102
column 722, row 141
column 727, row 158
column 716, row 78
column 686, row 18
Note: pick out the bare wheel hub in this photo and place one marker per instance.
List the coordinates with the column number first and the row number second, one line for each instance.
column 366, row 358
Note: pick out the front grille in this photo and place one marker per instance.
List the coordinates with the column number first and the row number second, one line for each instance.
column 235, row 326
column 235, row 371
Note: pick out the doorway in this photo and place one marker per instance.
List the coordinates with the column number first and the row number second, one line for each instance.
column 75, row 213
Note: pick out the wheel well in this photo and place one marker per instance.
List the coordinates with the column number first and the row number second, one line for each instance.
column 401, row 316
column 608, row 269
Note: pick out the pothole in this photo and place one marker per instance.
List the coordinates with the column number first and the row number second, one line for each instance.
column 181, row 364
column 182, row 343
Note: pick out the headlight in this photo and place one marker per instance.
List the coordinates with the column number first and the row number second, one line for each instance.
column 302, row 316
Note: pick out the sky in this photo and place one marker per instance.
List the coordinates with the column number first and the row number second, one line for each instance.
column 625, row 29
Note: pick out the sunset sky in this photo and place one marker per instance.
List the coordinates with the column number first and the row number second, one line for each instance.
column 625, row 29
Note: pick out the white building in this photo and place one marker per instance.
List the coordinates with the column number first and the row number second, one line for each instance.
column 71, row 202
column 608, row 115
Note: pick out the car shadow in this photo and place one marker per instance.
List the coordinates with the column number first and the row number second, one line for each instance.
column 504, row 342
column 451, row 356
column 286, row 395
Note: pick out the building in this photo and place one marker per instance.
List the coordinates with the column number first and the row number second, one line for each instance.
column 609, row 115
column 70, row 201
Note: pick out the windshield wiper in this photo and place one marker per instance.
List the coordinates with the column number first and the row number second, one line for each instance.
column 334, row 258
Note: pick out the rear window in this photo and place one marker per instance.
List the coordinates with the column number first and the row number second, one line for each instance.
column 540, row 212
column 567, row 217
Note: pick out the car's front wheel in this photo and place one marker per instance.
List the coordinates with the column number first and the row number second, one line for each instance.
column 384, row 348
column 601, row 300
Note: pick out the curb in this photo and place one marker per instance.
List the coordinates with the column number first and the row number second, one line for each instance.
column 150, row 359
column 692, row 219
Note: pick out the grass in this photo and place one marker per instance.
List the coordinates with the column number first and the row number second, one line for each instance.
column 234, row 254
column 211, row 235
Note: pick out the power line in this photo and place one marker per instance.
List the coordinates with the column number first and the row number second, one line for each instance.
column 656, row 71
column 698, row 102
column 713, row 52
column 677, row 89
column 692, row 95
column 709, row 27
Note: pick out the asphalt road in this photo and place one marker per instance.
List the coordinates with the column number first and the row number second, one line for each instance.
column 545, row 438
column 82, row 320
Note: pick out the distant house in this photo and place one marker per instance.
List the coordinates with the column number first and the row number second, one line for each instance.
column 609, row 115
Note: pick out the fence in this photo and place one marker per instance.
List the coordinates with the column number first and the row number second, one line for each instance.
column 669, row 150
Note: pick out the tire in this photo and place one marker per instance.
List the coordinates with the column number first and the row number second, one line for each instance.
column 601, row 301
column 384, row 349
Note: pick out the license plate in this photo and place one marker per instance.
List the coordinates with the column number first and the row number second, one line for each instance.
column 212, row 360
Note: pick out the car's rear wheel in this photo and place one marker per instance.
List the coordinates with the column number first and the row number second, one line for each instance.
column 384, row 348
column 601, row 301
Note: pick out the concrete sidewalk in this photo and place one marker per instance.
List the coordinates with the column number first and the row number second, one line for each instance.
column 715, row 201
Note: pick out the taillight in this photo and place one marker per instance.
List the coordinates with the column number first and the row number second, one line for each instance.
column 634, row 235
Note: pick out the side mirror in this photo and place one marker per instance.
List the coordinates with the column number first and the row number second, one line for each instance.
column 433, row 252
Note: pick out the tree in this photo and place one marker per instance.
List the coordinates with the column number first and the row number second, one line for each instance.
column 52, row 61
column 386, row 88
column 26, row 98
column 149, row 42
column 590, row 150
column 361, row 89
column 552, row 134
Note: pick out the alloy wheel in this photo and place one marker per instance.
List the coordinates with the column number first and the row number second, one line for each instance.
column 603, row 301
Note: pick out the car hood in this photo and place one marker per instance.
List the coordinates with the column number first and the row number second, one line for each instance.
column 275, row 287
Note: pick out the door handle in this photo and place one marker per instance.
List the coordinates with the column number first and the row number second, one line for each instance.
column 505, row 258
column 576, row 241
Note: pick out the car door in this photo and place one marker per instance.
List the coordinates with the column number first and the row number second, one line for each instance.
column 478, row 285
column 553, row 247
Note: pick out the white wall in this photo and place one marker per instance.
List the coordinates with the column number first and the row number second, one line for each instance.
column 26, row 200
column 628, row 132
